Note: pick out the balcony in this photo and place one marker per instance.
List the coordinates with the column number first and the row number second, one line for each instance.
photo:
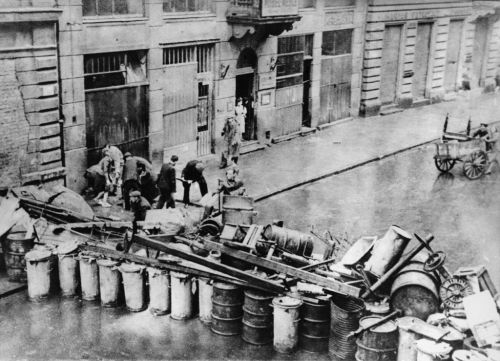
column 264, row 17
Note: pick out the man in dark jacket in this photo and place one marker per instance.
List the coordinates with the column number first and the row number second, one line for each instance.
column 139, row 205
column 129, row 178
column 166, row 183
column 193, row 172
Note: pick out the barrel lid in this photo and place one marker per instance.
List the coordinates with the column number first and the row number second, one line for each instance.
column 225, row 286
column 388, row 326
column 106, row 262
column 401, row 231
column 468, row 355
column 435, row 349
column 38, row 255
column 154, row 270
column 286, row 301
column 378, row 308
column 453, row 334
column 67, row 248
column 179, row 275
column 131, row 268
column 258, row 295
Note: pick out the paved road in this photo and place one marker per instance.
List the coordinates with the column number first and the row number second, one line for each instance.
column 409, row 191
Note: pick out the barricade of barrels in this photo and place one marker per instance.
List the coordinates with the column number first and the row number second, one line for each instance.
column 260, row 318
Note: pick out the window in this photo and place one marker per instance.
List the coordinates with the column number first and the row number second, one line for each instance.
column 333, row 3
column 112, row 69
column 175, row 6
column 290, row 63
column 304, row 4
column 112, row 7
column 337, row 42
column 203, row 54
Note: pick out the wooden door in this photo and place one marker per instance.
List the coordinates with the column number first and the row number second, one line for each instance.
column 204, row 145
column 390, row 63
column 421, row 63
column 306, row 103
column 180, row 104
column 452, row 55
column 479, row 51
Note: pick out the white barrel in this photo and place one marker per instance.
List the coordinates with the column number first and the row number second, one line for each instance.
column 68, row 268
column 182, row 300
column 109, row 282
column 286, row 323
column 159, row 291
column 38, row 273
column 133, row 286
column 428, row 350
column 407, row 350
column 89, row 277
column 205, row 291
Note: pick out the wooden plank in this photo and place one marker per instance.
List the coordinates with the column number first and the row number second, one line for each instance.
column 331, row 284
column 268, row 285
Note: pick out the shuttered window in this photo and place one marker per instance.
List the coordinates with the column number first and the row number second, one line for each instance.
column 338, row 42
column 290, row 63
column 202, row 54
column 112, row 7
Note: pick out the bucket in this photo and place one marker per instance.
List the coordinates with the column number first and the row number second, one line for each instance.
column 406, row 349
column 286, row 323
column 415, row 291
column 345, row 314
column 109, row 282
column 68, row 268
column 257, row 318
column 428, row 350
column 314, row 328
column 159, row 291
column 133, row 286
column 89, row 277
column 227, row 311
column 205, row 291
column 15, row 246
column 182, row 300
column 38, row 272
column 377, row 343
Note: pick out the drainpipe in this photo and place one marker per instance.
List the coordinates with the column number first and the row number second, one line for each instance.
column 61, row 115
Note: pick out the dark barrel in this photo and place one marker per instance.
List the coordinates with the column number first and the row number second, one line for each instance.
column 314, row 328
column 257, row 318
column 345, row 315
column 379, row 343
column 15, row 246
column 227, row 311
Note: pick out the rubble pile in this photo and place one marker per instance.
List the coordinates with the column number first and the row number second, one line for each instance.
column 386, row 298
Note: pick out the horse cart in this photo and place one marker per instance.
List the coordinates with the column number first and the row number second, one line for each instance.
column 458, row 147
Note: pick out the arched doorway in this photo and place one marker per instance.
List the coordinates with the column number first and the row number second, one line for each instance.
column 245, row 80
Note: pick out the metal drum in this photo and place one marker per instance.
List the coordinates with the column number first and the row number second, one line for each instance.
column 68, row 268
column 109, row 282
column 227, row 312
column 286, row 324
column 314, row 328
column 15, row 246
column 345, row 315
column 415, row 291
column 257, row 318
column 38, row 272
column 379, row 343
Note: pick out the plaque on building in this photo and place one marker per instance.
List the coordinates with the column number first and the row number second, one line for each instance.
column 267, row 80
column 280, row 7
column 339, row 18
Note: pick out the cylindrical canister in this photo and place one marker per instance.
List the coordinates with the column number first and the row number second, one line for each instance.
column 133, row 286
column 38, row 272
column 182, row 299
column 407, row 350
column 314, row 328
column 227, row 311
column 205, row 291
column 89, row 277
column 15, row 246
column 379, row 342
column 159, row 291
column 109, row 282
column 68, row 268
column 286, row 323
column 257, row 318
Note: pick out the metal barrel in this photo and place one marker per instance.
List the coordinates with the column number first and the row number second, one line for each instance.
column 407, row 338
column 345, row 315
column 291, row 240
column 89, row 277
column 378, row 343
column 257, row 318
column 286, row 322
column 205, row 292
column 38, row 274
column 159, row 291
column 68, row 268
column 314, row 328
column 182, row 298
column 109, row 282
column 133, row 286
column 15, row 246
column 227, row 311
column 415, row 291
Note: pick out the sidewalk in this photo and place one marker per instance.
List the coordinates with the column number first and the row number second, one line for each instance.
column 345, row 146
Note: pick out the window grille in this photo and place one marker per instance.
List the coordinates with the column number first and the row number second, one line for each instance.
column 202, row 54
column 337, row 42
column 290, row 64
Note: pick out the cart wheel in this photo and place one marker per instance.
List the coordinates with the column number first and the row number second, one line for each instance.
column 444, row 165
column 475, row 165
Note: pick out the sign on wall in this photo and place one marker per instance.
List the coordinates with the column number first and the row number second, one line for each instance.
column 280, row 7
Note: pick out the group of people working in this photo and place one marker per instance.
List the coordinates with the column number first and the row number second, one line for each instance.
column 490, row 136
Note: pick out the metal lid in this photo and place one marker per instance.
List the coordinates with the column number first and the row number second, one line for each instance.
column 67, row 248
column 435, row 349
column 131, row 268
column 179, row 275
column 258, row 295
column 286, row 302
column 468, row 355
column 106, row 263
column 38, row 255
column 225, row 286
column 157, row 271
column 388, row 326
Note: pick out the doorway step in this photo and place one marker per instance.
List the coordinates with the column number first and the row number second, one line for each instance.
column 420, row 102
column 251, row 146
column 390, row 109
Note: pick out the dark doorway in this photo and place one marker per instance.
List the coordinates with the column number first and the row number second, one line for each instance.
column 306, row 110
column 244, row 89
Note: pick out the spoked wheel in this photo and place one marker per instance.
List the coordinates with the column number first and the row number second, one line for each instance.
column 475, row 165
column 444, row 164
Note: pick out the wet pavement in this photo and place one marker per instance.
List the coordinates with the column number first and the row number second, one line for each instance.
column 409, row 191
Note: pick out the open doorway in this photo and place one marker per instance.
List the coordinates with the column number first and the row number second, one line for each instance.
column 245, row 78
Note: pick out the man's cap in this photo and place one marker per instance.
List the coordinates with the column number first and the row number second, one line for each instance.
column 485, row 124
column 135, row 194
column 128, row 154
column 174, row 158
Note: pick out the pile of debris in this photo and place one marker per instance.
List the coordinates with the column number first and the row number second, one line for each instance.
column 382, row 300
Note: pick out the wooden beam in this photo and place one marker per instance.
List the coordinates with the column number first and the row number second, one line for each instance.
column 333, row 285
